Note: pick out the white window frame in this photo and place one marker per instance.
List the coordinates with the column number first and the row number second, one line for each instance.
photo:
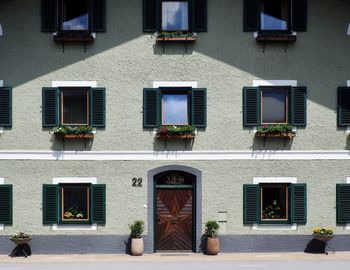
column 271, row 180
column 2, row 182
column 74, row 180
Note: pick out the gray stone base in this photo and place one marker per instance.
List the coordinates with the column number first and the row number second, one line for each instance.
column 114, row 244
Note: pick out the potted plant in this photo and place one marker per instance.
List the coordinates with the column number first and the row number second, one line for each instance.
column 20, row 238
column 211, row 235
column 136, row 231
column 323, row 234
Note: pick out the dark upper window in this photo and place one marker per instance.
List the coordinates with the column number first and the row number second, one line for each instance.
column 73, row 15
column 174, row 106
column 74, row 106
column 172, row 15
column 276, row 15
column 274, row 105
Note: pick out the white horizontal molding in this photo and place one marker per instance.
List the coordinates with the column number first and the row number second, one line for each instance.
column 175, row 155
column 2, row 227
column 74, row 180
column 158, row 84
column 275, row 83
column 259, row 180
column 74, row 84
column 92, row 227
column 273, row 227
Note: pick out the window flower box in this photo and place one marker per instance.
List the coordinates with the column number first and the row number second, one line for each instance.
column 176, row 36
column 176, row 132
column 275, row 131
column 76, row 132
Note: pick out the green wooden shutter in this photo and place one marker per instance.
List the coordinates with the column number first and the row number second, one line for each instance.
column 151, row 108
column 97, row 15
column 98, row 107
column 6, row 204
column 98, row 213
column 50, row 107
column 298, row 106
column 299, row 15
column 49, row 15
column 250, row 15
column 50, row 204
column 343, row 106
column 298, row 203
column 199, row 107
column 151, row 15
column 250, row 204
column 199, row 16
column 251, row 106
column 5, row 106
column 343, row 203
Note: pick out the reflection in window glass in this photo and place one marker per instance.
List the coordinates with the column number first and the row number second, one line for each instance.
column 175, row 15
column 75, row 15
column 175, row 109
column 274, row 109
column 274, row 15
column 274, row 204
column 74, row 107
column 75, row 203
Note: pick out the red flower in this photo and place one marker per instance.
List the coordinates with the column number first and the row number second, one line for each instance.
column 265, row 125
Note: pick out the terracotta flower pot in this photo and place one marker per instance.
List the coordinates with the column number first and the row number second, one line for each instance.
column 213, row 246
column 136, row 246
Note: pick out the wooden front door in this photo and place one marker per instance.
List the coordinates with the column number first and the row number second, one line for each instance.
column 174, row 230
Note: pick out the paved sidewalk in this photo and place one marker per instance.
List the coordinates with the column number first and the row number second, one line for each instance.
column 176, row 257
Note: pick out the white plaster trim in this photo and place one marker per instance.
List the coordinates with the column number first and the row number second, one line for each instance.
column 74, row 180
column 275, row 83
column 92, row 227
column 348, row 180
column 175, row 155
column 255, row 34
column 74, row 84
column 2, row 181
column 1, row 83
column 269, row 227
column 2, row 226
column 258, row 180
column 157, row 84
column 348, row 83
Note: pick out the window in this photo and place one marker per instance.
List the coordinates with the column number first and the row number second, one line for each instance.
column 75, row 203
column 343, row 204
column 5, row 106
column 274, row 108
column 75, row 15
column 274, row 15
column 274, row 105
column 6, row 204
column 74, row 106
column 175, row 16
column 174, row 106
column 175, row 109
column 172, row 15
column 344, row 107
column 274, row 203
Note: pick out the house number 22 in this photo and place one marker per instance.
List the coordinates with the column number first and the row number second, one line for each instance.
column 137, row 182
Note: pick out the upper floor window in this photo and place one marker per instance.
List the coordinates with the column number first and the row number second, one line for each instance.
column 75, row 15
column 74, row 106
column 274, row 106
column 175, row 109
column 175, row 16
column 274, row 15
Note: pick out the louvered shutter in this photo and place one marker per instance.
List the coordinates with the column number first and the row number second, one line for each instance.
column 250, row 204
column 97, row 15
column 298, row 106
column 299, row 15
column 250, row 15
column 6, row 204
column 151, row 108
column 298, row 201
column 5, row 106
column 98, row 107
column 251, row 106
column 49, row 15
column 199, row 107
column 343, row 106
column 151, row 15
column 50, row 204
column 50, row 107
column 199, row 16
column 343, row 203
column 98, row 194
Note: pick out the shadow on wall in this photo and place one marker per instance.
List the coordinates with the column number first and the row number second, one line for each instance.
column 225, row 41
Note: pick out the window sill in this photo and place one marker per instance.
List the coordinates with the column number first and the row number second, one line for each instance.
column 73, row 37
column 87, row 227
column 282, row 227
column 286, row 37
column 167, row 37
column 77, row 136
column 288, row 135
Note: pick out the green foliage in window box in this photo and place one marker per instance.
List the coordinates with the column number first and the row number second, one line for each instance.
column 275, row 129
column 175, row 34
column 73, row 130
column 211, row 229
column 273, row 211
column 176, row 130
column 137, row 229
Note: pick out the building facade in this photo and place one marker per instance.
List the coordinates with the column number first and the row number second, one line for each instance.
column 122, row 74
